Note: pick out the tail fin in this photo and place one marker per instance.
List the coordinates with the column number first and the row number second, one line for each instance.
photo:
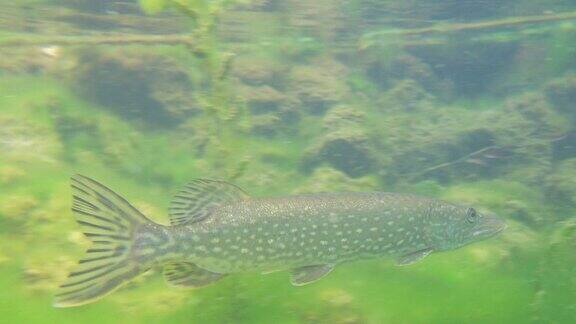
column 110, row 222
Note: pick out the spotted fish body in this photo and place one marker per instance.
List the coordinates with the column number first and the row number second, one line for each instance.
column 216, row 230
column 271, row 234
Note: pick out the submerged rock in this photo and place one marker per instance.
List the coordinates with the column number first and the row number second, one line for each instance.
column 562, row 94
column 317, row 87
column 327, row 179
column 389, row 73
column 345, row 144
column 560, row 184
column 470, row 68
column 272, row 111
column 448, row 143
column 257, row 71
column 137, row 85
column 460, row 154
column 406, row 95
column 262, row 99
column 346, row 150
column 266, row 125
column 343, row 116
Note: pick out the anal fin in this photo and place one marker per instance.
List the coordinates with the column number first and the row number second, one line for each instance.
column 413, row 257
column 188, row 275
column 308, row 274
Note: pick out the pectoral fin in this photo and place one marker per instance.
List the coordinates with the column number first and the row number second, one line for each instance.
column 413, row 257
column 305, row 275
column 189, row 275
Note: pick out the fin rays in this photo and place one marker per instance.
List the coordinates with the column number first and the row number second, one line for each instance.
column 109, row 221
column 198, row 198
column 188, row 275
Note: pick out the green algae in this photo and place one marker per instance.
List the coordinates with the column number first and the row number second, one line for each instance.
column 260, row 118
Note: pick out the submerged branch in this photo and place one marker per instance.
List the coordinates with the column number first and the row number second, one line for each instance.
column 466, row 158
column 502, row 23
column 26, row 40
column 444, row 28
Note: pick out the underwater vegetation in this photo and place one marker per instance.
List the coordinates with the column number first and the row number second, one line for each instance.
column 473, row 102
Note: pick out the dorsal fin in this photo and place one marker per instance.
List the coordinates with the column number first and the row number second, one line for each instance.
column 197, row 199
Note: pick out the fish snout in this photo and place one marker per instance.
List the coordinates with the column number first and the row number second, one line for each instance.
column 490, row 226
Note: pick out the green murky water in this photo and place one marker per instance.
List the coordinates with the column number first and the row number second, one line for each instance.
column 469, row 101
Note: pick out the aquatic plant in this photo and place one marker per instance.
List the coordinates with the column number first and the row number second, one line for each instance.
column 278, row 116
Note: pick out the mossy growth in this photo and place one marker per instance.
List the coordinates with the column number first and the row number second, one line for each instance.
column 137, row 85
column 561, row 186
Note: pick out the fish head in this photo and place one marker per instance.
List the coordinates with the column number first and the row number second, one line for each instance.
column 462, row 226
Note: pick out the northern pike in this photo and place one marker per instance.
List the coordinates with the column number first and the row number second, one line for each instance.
column 216, row 229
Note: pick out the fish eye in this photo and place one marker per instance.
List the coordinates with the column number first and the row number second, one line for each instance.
column 471, row 215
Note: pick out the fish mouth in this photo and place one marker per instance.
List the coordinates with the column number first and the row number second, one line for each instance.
column 489, row 228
